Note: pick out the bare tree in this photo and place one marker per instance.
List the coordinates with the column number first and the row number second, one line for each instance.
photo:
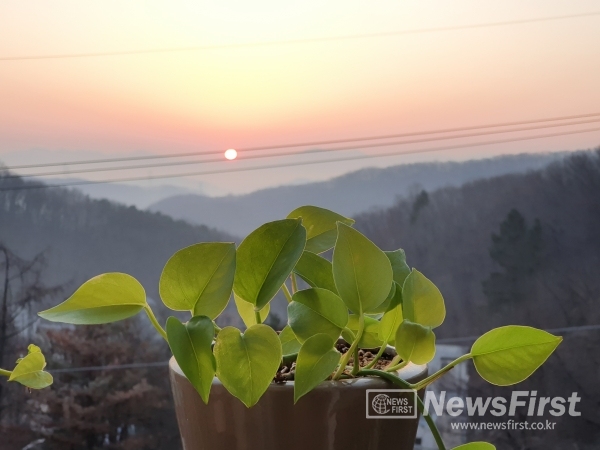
column 21, row 289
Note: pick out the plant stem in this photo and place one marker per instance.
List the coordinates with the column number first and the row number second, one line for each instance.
column 356, row 365
column 430, row 379
column 257, row 317
column 294, row 283
column 394, row 362
column 397, row 367
column 377, row 356
column 286, row 292
column 354, row 346
column 152, row 318
column 5, row 373
column 432, row 426
column 400, row 382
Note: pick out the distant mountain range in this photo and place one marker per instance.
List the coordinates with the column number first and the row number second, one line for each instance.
column 349, row 194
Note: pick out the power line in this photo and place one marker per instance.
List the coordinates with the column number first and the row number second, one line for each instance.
column 576, row 329
column 303, row 144
column 302, row 163
column 551, row 330
column 297, row 41
column 314, row 151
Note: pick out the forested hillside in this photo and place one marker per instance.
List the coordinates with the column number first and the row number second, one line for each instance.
column 84, row 237
column 348, row 194
column 516, row 249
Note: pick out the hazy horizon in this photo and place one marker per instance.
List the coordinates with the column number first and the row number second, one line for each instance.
column 259, row 95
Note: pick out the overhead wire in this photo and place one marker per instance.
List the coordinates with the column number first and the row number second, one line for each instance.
column 305, row 152
column 302, row 144
column 299, row 163
column 296, row 41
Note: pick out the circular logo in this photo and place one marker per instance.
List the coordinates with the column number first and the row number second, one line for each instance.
column 379, row 403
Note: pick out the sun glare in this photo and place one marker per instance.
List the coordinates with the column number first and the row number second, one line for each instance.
column 230, row 154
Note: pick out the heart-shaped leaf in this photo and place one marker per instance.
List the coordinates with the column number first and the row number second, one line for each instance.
column 191, row 345
column 475, row 446
column 247, row 313
column 386, row 304
column 316, row 361
column 321, row 228
column 422, row 301
column 392, row 318
column 316, row 271
column 315, row 311
column 199, row 278
column 247, row 363
column 103, row 299
column 266, row 258
column 415, row 343
column 29, row 370
column 510, row 354
column 289, row 343
column 399, row 267
column 370, row 337
column 362, row 272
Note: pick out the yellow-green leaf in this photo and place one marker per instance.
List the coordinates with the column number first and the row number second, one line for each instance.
column 191, row 344
column 266, row 258
column 316, row 361
column 199, row 278
column 321, row 228
column 247, row 312
column 362, row 272
column 510, row 354
column 315, row 311
column 247, row 363
column 475, row 446
column 316, row 271
column 422, row 301
column 415, row 343
column 289, row 342
column 103, row 299
column 29, row 370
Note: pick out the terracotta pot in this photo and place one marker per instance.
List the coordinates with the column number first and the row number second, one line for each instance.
column 331, row 417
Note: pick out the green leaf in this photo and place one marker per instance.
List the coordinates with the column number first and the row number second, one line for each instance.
column 191, row 345
column 289, row 343
column 378, row 312
column 510, row 354
column 362, row 272
column 30, row 370
column 475, row 446
column 199, row 278
column 422, row 300
column 316, row 271
column 247, row 363
column 316, row 361
column 320, row 226
column 103, row 299
column 392, row 318
column 415, row 343
column 370, row 337
column 266, row 258
column 247, row 313
column 399, row 266
column 315, row 311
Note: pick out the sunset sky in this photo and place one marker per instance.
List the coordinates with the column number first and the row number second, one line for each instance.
column 78, row 108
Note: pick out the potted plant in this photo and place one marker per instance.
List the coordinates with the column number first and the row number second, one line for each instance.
column 364, row 321
column 29, row 370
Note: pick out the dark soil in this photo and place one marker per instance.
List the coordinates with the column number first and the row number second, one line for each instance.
column 287, row 371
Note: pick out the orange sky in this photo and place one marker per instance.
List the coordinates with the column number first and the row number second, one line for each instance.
column 160, row 103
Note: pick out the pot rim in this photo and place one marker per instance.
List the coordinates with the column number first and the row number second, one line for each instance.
column 408, row 373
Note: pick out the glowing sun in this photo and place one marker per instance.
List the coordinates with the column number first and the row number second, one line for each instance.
column 230, row 154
